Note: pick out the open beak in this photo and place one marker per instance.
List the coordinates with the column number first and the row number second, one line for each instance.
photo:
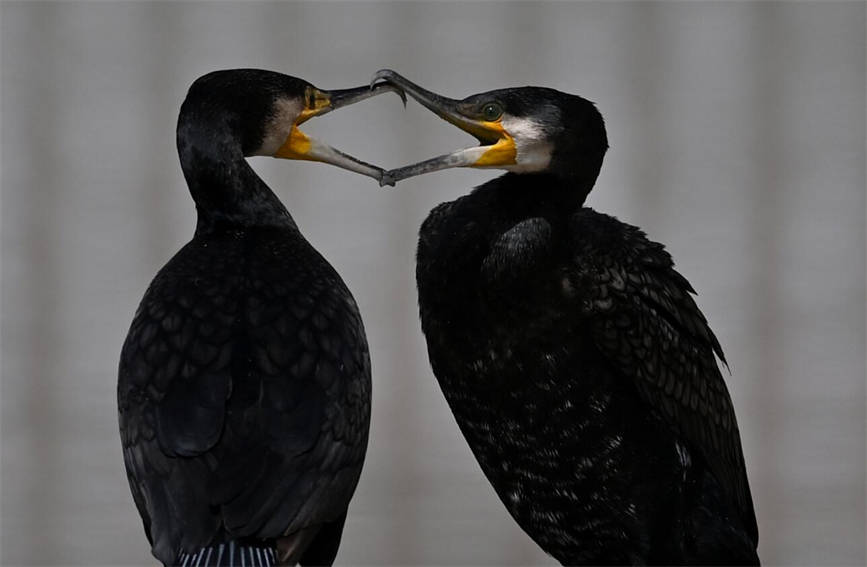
column 497, row 148
column 299, row 145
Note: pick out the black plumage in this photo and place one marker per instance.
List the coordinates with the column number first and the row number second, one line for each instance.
column 571, row 352
column 244, row 382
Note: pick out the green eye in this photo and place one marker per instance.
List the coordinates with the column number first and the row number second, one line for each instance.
column 492, row 111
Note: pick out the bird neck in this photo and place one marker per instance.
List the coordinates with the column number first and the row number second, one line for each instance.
column 529, row 191
column 226, row 190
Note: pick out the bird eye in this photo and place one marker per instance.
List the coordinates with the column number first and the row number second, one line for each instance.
column 492, row 111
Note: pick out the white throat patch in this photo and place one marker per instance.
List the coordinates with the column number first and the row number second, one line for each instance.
column 531, row 142
column 286, row 111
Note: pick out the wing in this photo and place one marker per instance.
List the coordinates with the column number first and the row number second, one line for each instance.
column 244, row 401
column 644, row 320
column 173, row 382
column 310, row 408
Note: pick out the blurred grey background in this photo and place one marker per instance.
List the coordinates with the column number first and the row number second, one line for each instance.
column 738, row 139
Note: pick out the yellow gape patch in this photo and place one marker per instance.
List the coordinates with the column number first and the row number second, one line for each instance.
column 296, row 146
column 503, row 152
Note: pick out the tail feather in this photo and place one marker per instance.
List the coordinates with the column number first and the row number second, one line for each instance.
column 230, row 554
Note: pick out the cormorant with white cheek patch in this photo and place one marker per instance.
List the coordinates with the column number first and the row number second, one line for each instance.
column 244, row 382
column 576, row 363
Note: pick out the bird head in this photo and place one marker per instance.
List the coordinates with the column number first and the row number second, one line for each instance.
column 261, row 111
column 522, row 130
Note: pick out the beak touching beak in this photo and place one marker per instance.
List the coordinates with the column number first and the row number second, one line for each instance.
column 299, row 145
column 497, row 148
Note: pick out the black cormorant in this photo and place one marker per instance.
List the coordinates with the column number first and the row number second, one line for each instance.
column 244, row 381
column 577, row 364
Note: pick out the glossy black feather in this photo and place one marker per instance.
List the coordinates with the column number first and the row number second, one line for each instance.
column 583, row 376
column 244, row 382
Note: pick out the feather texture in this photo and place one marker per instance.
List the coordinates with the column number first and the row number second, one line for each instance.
column 244, row 392
column 583, row 376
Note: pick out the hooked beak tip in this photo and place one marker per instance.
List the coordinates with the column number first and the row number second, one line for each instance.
column 386, row 85
column 386, row 179
column 385, row 74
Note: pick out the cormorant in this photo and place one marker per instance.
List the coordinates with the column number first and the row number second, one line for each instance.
column 244, row 381
column 575, row 361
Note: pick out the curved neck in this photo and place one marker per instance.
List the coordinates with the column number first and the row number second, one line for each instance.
column 226, row 190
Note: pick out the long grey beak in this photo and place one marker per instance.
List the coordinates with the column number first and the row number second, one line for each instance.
column 439, row 105
column 345, row 97
column 498, row 152
column 444, row 107
column 303, row 147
